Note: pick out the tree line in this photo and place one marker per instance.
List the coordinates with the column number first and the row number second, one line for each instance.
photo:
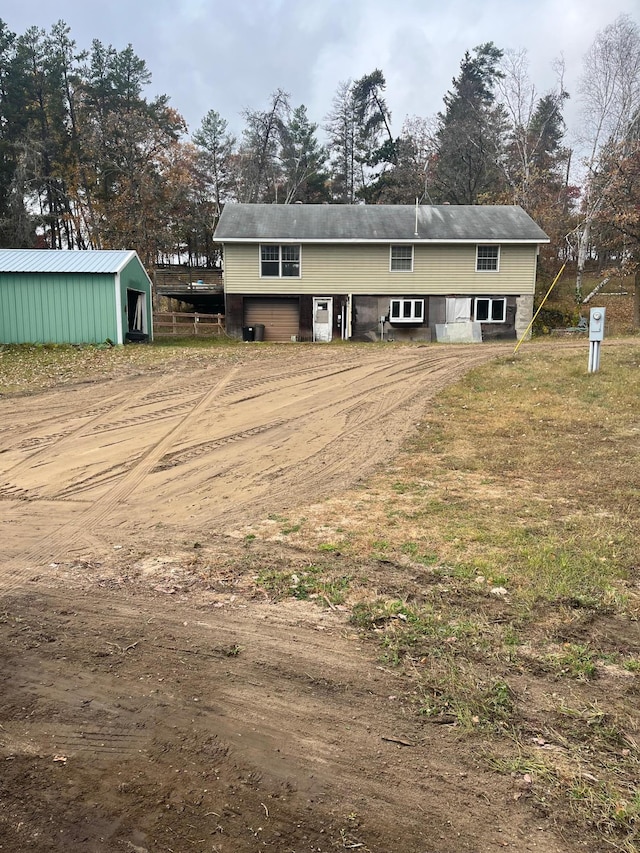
column 87, row 160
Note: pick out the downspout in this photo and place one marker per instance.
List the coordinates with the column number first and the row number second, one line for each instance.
column 348, row 330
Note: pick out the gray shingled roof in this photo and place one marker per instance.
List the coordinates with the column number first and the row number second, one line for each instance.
column 63, row 260
column 376, row 222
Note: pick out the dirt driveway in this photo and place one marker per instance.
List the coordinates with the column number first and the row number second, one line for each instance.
column 139, row 712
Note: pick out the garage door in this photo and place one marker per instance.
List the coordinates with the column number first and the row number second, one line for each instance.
column 280, row 317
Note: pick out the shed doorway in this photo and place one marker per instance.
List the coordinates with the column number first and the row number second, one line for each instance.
column 136, row 314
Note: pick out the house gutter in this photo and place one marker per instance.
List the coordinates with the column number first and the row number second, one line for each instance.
column 471, row 241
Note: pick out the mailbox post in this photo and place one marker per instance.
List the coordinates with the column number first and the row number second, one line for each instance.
column 596, row 335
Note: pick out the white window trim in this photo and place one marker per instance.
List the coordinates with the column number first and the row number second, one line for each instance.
column 413, row 318
column 279, row 246
column 486, row 246
column 491, row 300
column 400, row 246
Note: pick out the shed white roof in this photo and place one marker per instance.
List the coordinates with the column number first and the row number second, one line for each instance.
column 64, row 260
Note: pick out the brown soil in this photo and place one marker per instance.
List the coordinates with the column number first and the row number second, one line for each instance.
column 146, row 708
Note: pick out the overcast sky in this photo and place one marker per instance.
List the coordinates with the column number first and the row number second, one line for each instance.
column 210, row 54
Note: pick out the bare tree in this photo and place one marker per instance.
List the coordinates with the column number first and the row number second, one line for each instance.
column 610, row 95
column 260, row 148
column 534, row 147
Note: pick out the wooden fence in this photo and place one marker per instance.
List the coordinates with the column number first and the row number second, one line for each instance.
column 174, row 324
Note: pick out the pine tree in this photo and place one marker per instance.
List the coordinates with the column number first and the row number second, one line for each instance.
column 469, row 139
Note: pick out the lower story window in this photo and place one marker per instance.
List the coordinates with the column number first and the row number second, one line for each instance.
column 490, row 310
column 406, row 311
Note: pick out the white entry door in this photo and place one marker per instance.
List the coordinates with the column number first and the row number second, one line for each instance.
column 322, row 318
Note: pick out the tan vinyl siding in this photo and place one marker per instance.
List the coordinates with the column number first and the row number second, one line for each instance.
column 364, row 269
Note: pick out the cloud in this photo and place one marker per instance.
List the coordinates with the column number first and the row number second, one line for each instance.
column 227, row 56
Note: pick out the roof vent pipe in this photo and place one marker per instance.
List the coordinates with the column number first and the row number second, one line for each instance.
column 415, row 233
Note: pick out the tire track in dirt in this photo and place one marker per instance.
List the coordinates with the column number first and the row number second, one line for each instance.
column 299, row 374
column 187, row 454
column 198, row 647
column 271, row 478
column 71, row 533
column 148, row 417
column 28, row 438
column 268, row 384
column 303, row 716
column 107, row 409
column 63, row 738
column 106, row 418
column 357, row 401
column 302, row 433
column 350, row 450
column 87, row 484
column 125, row 415
column 94, row 411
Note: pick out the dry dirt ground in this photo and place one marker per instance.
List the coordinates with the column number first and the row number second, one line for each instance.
column 142, row 710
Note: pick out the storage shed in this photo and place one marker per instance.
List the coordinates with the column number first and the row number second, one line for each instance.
column 74, row 297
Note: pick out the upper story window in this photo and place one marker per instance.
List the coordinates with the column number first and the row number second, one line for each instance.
column 280, row 261
column 487, row 258
column 401, row 259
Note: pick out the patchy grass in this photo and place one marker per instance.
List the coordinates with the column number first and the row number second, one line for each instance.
column 495, row 563
column 27, row 368
column 574, row 661
column 610, row 813
column 304, row 584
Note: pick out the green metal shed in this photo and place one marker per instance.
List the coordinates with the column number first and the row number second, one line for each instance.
column 74, row 297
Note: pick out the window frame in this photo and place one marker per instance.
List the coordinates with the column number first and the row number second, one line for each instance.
column 493, row 247
column 404, row 247
column 490, row 300
column 402, row 302
column 281, row 259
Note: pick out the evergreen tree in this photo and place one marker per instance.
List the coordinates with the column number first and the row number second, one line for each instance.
column 360, row 140
column 216, row 147
column 469, row 139
column 17, row 160
column 303, row 160
column 341, row 128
